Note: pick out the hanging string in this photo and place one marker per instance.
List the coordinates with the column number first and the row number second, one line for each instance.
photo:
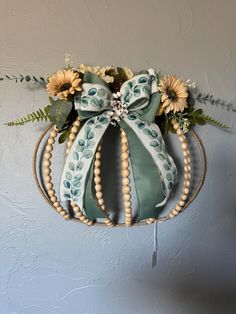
column 155, row 245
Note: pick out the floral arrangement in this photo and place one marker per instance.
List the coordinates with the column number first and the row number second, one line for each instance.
column 84, row 102
column 177, row 97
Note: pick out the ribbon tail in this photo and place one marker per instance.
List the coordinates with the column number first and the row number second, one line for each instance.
column 153, row 169
column 76, row 180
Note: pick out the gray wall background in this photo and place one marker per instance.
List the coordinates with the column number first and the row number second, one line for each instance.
column 50, row 266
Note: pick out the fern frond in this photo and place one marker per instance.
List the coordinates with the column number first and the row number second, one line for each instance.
column 39, row 115
column 213, row 121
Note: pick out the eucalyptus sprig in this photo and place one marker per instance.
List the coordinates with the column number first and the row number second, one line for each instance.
column 209, row 99
column 25, row 78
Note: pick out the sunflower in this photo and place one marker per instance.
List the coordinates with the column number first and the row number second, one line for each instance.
column 63, row 83
column 173, row 94
column 101, row 72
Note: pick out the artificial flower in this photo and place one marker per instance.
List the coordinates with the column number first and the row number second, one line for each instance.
column 101, row 72
column 128, row 73
column 173, row 94
column 63, row 83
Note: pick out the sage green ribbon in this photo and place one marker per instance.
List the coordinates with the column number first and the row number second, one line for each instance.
column 154, row 171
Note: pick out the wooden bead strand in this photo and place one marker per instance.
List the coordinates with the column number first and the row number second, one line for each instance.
column 73, row 132
column 187, row 176
column 47, row 175
column 98, row 185
column 77, row 211
column 126, row 189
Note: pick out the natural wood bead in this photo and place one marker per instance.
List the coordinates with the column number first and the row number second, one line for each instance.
column 63, row 213
column 48, row 148
column 176, row 125
column 97, row 179
column 103, row 207
column 178, row 208
column 99, row 195
column 179, row 132
column 124, row 156
column 184, row 145
column 186, row 153
column 53, row 199
column 56, row 204
column 72, row 136
column 48, row 178
column 126, row 189
column 183, row 197
column 98, row 187
column 125, row 164
column 125, row 181
column 51, row 140
column 47, row 163
column 49, row 185
column 76, row 123
column 97, row 163
column 69, row 143
column 53, row 134
column 186, row 191
column 181, row 203
column 124, row 140
column 124, row 148
column 127, row 197
column 98, row 155
column 187, row 183
column 51, row 192
column 101, row 201
column 97, row 171
column 125, row 172
column 127, row 204
column 67, row 217
column 46, row 170
column 175, row 212
column 47, row 155
column 74, row 129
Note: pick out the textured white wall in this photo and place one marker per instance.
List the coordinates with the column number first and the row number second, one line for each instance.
column 50, row 266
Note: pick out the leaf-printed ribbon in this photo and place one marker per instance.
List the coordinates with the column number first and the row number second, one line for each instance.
column 153, row 169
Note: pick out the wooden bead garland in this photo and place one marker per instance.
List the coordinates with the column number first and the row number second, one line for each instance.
column 50, row 196
column 187, row 174
column 126, row 190
column 47, row 174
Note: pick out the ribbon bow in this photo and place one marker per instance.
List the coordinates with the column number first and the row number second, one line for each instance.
column 134, row 110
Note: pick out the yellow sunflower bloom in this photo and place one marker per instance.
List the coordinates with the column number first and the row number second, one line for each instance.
column 173, row 94
column 63, row 83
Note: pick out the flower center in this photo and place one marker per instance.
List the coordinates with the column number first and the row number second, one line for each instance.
column 171, row 94
column 65, row 86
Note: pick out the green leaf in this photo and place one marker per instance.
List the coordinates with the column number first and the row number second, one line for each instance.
column 87, row 154
column 39, row 115
column 59, row 111
column 64, row 135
